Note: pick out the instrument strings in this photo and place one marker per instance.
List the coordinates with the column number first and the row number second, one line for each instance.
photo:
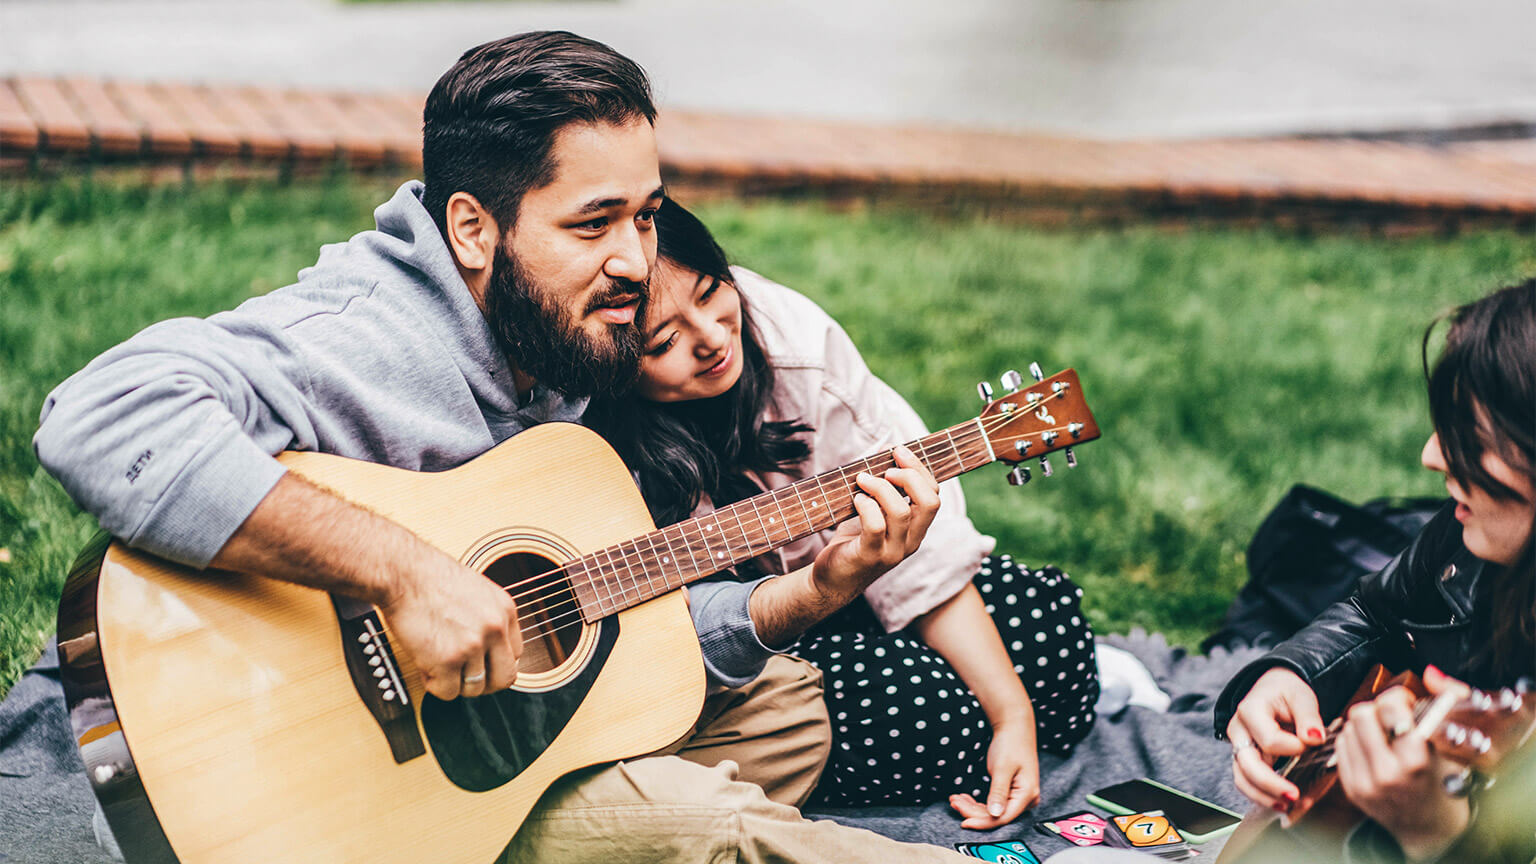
column 1318, row 760
column 537, row 622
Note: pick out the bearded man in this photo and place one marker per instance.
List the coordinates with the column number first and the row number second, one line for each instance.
column 498, row 295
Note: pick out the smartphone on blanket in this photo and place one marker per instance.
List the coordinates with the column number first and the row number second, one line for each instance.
column 1197, row 820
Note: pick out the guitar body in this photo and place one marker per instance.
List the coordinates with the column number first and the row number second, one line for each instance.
column 222, row 719
column 226, row 717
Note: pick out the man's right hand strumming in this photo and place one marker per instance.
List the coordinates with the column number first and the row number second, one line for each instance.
column 459, row 628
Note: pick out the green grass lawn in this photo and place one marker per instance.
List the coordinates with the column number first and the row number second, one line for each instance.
column 1223, row 366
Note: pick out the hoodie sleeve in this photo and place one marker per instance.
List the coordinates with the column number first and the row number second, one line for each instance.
column 168, row 438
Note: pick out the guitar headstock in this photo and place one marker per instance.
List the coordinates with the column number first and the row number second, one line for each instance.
column 1481, row 728
column 1030, row 422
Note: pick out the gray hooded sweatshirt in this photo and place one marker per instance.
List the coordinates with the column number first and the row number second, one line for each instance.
column 377, row 353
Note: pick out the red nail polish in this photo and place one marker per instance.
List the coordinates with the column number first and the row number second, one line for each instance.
column 1315, row 732
column 1290, row 797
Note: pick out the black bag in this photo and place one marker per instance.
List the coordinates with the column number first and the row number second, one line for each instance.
column 1309, row 553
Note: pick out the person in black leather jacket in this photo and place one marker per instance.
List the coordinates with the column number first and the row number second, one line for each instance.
column 1461, row 598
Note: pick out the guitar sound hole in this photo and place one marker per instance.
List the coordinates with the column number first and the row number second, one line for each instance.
column 546, row 609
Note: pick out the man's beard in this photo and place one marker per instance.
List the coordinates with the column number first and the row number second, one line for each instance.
column 540, row 339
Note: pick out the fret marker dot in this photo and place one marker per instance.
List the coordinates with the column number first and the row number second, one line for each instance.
column 771, row 519
column 666, row 560
column 719, row 554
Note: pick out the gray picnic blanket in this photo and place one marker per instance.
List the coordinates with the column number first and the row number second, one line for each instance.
column 1174, row 747
column 47, row 814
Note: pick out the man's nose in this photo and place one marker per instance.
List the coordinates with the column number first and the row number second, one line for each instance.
column 629, row 258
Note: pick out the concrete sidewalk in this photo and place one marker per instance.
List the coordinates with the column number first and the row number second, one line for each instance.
column 1083, row 68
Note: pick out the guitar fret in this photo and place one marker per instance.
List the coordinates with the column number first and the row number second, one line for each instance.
column 783, row 523
column 634, row 568
column 762, row 527
column 746, row 540
column 699, row 569
column 670, row 558
column 581, row 585
column 992, row 456
column 949, row 435
column 599, row 584
column 711, row 535
column 616, row 576
column 654, row 569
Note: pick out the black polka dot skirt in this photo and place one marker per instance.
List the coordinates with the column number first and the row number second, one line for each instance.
column 906, row 730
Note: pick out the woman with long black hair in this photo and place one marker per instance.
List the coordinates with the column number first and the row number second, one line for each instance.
column 1459, row 603
column 955, row 667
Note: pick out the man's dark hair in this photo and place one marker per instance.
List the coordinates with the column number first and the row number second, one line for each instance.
column 491, row 120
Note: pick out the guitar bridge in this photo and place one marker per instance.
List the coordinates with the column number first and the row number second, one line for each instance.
column 376, row 675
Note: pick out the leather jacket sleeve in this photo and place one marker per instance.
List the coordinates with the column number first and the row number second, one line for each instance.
column 1334, row 652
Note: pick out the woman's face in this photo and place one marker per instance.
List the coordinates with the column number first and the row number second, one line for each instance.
column 1494, row 529
column 693, row 336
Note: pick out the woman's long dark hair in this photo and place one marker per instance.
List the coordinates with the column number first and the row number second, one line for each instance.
column 1488, row 372
column 680, row 451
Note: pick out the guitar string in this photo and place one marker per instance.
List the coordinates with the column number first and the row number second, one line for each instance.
column 554, row 623
column 684, row 537
column 1314, row 757
column 688, row 534
column 927, row 455
column 996, row 421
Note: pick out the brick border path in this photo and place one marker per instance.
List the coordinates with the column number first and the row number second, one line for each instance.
column 1050, row 178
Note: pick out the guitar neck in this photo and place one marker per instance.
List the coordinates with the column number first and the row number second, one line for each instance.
column 629, row 573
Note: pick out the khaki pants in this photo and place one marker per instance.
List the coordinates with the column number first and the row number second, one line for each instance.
column 728, row 792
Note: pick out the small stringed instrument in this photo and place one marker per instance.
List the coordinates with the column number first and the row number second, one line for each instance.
column 1473, row 729
column 232, row 717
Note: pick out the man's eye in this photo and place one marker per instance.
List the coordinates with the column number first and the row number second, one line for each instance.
column 593, row 224
column 647, row 216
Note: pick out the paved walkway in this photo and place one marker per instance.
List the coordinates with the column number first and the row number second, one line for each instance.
column 1080, row 68
column 1055, row 178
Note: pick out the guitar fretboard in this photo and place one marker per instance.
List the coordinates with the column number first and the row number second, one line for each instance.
column 629, row 573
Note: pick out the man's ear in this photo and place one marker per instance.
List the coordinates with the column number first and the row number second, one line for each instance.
column 472, row 233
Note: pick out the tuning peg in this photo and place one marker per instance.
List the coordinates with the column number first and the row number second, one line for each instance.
column 1012, row 380
column 1018, row 476
column 1455, row 734
column 1022, row 445
column 985, row 390
column 1034, row 371
column 1075, row 429
column 1045, row 466
column 1071, row 458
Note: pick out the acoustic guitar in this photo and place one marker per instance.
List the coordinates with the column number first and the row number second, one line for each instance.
column 227, row 717
column 1473, row 729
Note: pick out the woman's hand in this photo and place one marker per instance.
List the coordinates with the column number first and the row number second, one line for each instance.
column 1278, row 717
column 1015, row 768
column 1388, row 770
column 887, row 530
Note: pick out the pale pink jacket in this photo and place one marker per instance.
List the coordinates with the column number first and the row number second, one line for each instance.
column 821, row 380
